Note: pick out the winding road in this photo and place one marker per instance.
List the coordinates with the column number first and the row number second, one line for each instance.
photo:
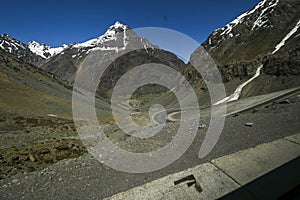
column 231, row 107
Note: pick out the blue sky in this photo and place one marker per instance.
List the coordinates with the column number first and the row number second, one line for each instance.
column 56, row 22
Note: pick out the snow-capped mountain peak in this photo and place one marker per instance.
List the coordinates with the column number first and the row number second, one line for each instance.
column 10, row 44
column 18, row 48
column 43, row 50
column 36, row 51
column 109, row 35
column 116, row 38
column 116, row 28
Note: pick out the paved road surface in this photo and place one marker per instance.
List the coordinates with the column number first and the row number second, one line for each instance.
column 231, row 107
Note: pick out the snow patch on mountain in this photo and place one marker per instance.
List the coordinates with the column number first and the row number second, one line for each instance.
column 228, row 28
column 263, row 18
column 266, row 8
column 108, row 48
column 237, row 93
column 109, row 35
column 282, row 43
column 10, row 44
column 57, row 50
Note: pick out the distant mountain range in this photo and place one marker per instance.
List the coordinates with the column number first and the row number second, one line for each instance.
column 268, row 35
column 42, row 51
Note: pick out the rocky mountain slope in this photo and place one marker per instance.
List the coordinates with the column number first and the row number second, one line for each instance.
column 118, row 38
column 64, row 62
column 32, row 52
column 27, row 90
column 256, row 32
column 268, row 34
column 17, row 48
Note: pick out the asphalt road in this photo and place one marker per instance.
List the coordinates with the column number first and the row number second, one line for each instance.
column 231, row 107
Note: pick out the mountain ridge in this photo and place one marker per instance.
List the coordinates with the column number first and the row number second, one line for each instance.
column 254, row 33
column 43, row 51
column 257, row 37
column 267, row 35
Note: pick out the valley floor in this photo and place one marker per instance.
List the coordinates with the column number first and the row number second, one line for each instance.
column 86, row 178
